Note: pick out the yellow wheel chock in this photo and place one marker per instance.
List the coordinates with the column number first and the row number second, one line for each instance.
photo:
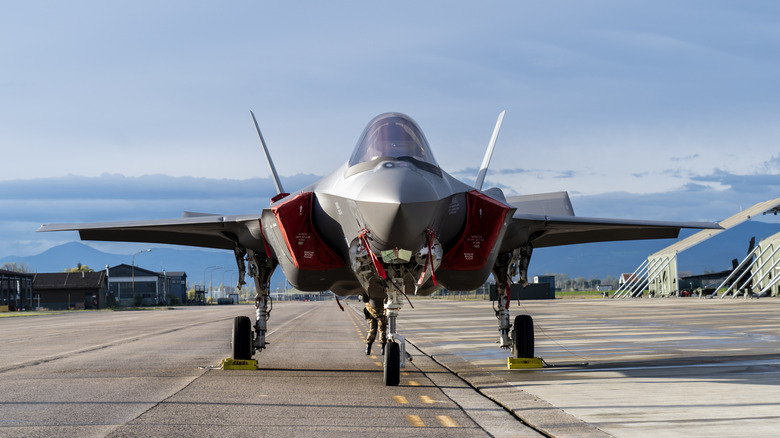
column 233, row 364
column 514, row 363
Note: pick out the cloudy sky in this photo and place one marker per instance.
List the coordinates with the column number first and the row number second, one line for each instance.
column 134, row 110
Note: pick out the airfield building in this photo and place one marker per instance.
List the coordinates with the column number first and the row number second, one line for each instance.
column 134, row 286
column 15, row 291
column 70, row 290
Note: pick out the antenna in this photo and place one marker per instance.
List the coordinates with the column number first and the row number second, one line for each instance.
column 279, row 188
column 489, row 153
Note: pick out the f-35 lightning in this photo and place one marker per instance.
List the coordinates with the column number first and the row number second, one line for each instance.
column 387, row 224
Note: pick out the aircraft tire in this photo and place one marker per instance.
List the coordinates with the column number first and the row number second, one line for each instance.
column 523, row 336
column 242, row 338
column 392, row 364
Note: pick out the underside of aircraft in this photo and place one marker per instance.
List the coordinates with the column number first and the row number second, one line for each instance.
column 387, row 224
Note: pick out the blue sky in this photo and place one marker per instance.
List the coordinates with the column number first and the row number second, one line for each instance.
column 663, row 110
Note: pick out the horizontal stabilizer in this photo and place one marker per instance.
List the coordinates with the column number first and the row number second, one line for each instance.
column 196, row 214
column 552, row 204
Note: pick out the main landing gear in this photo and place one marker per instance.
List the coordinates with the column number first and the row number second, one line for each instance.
column 242, row 338
column 520, row 336
column 523, row 337
column 244, row 344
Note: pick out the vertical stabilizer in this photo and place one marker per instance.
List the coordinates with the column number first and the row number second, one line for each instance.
column 279, row 188
column 489, row 153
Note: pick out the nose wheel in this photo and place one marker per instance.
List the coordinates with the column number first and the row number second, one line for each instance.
column 392, row 364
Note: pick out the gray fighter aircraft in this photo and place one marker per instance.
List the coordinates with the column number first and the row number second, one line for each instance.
column 386, row 224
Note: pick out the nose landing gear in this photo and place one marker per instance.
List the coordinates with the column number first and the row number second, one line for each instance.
column 395, row 352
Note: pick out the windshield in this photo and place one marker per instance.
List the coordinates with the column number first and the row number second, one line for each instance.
column 392, row 135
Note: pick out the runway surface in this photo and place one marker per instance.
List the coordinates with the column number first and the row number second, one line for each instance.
column 655, row 367
column 138, row 373
column 625, row 368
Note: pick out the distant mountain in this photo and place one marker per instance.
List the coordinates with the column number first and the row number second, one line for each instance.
column 587, row 260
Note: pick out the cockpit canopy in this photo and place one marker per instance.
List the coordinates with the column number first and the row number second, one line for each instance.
column 393, row 135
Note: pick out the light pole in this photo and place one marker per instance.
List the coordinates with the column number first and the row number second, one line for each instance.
column 211, row 280
column 165, row 282
column 229, row 278
column 133, row 268
column 204, row 275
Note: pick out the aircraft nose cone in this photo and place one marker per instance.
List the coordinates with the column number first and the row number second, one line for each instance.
column 397, row 207
column 398, row 185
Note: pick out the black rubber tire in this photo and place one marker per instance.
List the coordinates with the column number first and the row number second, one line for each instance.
column 392, row 364
column 523, row 336
column 242, row 338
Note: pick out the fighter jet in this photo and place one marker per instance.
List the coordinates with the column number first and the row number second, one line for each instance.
column 388, row 223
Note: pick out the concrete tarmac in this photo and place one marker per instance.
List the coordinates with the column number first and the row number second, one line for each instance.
column 677, row 367
column 623, row 368
column 149, row 373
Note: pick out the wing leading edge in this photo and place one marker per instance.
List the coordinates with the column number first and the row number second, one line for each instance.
column 210, row 231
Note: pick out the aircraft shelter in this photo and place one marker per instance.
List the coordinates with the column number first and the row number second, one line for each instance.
column 757, row 274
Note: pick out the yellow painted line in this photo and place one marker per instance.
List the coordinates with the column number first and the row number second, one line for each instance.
column 413, row 383
column 427, row 400
column 446, row 421
column 400, row 399
column 373, row 356
column 379, row 364
column 415, row 420
column 405, row 373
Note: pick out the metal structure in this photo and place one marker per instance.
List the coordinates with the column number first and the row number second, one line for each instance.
column 758, row 273
column 658, row 273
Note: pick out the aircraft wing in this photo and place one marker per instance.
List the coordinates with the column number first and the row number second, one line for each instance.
column 548, row 219
column 193, row 229
column 543, row 231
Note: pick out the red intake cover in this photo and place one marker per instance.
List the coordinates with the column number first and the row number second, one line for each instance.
column 308, row 250
column 484, row 219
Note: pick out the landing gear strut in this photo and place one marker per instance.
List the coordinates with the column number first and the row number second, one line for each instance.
column 395, row 352
column 260, row 268
column 500, row 273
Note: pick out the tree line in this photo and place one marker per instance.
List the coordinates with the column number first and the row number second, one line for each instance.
column 24, row 268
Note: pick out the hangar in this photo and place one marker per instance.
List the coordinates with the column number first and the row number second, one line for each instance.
column 758, row 274
column 71, row 290
column 659, row 273
column 134, row 286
